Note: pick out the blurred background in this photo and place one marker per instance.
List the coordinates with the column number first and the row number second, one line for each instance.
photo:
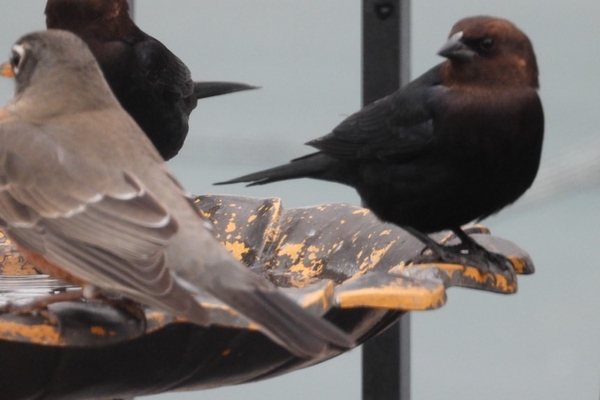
column 541, row 343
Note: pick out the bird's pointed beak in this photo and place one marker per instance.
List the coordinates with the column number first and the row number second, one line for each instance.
column 455, row 49
column 7, row 70
column 210, row 89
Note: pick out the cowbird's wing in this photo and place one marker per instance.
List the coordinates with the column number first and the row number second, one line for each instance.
column 396, row 126
column 167, row 74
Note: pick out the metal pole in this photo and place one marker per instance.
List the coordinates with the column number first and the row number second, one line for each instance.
column 131, row 8
column 386, row 58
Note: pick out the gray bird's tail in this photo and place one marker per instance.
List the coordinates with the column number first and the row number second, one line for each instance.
column 315, row 165
column 217, row 273
column 301, row 332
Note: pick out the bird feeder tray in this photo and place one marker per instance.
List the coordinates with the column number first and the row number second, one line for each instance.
column 337, row 260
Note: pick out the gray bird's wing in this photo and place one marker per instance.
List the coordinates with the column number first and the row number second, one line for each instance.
column 96, row 222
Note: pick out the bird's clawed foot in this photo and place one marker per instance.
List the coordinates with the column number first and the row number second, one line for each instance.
column 468, row 252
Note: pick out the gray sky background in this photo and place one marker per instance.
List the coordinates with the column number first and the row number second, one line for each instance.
column 541, row 343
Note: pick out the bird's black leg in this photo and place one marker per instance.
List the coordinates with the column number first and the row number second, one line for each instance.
column 435, row 252
column 479, row 254
column 468, row 252
column 423, row 238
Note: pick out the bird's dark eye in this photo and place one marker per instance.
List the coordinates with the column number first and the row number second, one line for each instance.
column 486, row 43
column 16, row 58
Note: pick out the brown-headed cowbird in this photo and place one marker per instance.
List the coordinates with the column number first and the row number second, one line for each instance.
column 457, row 144
column 118, row 220
column 153, row 85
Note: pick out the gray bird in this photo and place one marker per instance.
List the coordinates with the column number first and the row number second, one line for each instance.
column 86, row 196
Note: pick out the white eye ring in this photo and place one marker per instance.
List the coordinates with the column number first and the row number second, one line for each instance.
column 19, row 51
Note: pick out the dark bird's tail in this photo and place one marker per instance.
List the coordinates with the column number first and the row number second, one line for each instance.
column 315, row 165
column 210, row 89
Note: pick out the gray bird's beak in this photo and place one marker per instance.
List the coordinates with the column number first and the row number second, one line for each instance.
column 209, row 89
column 455, row 49
column 7, row 70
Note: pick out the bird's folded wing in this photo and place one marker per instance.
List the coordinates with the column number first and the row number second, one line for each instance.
column 167, row 73
column 396, row 126
column 98, row 222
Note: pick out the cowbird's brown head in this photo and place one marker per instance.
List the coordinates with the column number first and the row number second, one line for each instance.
column 488, row 51
column 107, row 19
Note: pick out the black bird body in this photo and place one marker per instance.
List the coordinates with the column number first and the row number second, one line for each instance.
column 458, row 143
column 152, row 84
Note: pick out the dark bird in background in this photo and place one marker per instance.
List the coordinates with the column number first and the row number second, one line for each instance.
column 152, row 84
column 87, row 198
column 457, row 144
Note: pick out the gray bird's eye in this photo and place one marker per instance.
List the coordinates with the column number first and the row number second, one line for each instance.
column 16, row 58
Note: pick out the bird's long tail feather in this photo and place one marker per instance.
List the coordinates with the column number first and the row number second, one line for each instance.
column 209, row 89
column 312, row 165
column 303, row 333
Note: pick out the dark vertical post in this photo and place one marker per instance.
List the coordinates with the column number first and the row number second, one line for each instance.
column 131, row 8
column 386, row 59
column 385, row 47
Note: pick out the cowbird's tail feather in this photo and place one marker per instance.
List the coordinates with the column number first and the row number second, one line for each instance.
column 210, row 89
column 310, row 166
